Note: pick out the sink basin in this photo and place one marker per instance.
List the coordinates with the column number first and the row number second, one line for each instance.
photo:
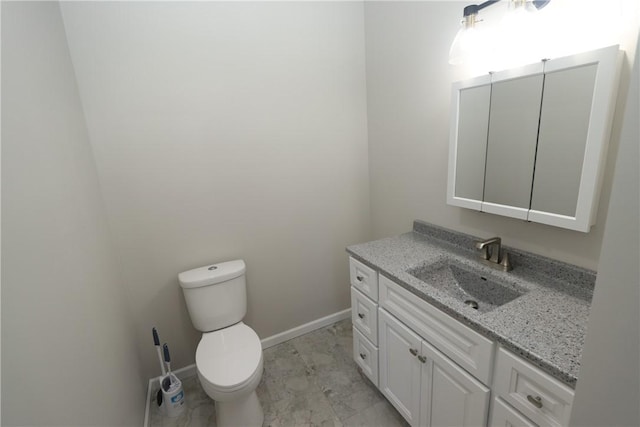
column 474, row 287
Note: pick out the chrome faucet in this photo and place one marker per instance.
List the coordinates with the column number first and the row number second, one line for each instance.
column 493, row 254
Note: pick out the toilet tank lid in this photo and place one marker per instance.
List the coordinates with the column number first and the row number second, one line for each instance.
column 211, row 274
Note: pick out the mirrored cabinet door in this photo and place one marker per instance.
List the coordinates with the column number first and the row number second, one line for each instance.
column 511, row 146
column 471, row 112
column 564, row 121
column 575, row 126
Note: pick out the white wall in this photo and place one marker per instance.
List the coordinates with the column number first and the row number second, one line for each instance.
column 408, row 90
column 227, row 130
column 68, row 353
column 611, row 359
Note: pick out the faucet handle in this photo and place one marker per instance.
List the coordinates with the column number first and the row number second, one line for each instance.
column 505, row 262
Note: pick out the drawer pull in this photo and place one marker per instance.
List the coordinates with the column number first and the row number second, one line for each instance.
column 361, row 315
column 535, row 401
column 413, row 351
column 422, row 359
column 359, row 278
column 363, row 356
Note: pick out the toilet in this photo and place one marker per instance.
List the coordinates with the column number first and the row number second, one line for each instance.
column 229, row 355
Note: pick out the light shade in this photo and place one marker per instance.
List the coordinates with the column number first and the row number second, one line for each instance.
column 465, row 44
column 518, row 38
column 460, row 46
column 470, row 43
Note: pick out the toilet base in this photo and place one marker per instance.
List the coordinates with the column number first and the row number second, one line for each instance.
column 246, row 412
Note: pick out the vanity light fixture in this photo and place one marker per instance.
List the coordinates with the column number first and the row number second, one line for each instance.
column 467, row 41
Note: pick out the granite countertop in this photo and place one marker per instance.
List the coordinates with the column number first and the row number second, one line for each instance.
column 547, row 325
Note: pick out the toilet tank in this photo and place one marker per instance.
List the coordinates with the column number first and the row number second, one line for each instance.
column 216, row 295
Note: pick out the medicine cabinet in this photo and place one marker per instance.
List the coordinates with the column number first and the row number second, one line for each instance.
column 531, row 142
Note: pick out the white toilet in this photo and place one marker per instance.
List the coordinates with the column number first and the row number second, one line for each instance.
column 229, row 354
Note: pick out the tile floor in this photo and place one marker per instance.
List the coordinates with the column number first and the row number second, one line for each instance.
column 311, row 380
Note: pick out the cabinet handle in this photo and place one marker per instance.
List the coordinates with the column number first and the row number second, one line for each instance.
column 422, row 359
column 535, row 401
column 413, row 351
column 363, row 356
column 361, row 315
column 359, row 278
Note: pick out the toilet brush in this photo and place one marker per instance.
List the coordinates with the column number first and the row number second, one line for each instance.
column 156, row 342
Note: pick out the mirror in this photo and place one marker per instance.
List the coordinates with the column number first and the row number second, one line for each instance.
column 530, row 143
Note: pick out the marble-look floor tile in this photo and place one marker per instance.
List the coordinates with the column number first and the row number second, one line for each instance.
column 288, row 394
column 285, row 373
column 304, row 409
column 309, row 381
column 328, row 354
column 382, row 414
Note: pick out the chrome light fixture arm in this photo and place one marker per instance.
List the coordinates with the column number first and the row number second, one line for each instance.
column 473, row 9
column 463, row 44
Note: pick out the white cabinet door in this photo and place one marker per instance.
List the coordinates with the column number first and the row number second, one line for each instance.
column 450, row 395
column 399, row 366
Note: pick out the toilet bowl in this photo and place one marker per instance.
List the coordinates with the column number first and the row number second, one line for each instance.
column 229, row 355
column 229, row 364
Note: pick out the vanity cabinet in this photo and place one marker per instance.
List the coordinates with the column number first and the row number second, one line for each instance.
column 530, row 143
column 437, row 371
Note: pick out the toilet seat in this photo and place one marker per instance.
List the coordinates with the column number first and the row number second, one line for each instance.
column 229, row 359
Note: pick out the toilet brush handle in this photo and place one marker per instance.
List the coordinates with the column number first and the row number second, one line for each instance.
column 167, row 357
column 156, row 338
column 162, row 368
column 156, row 342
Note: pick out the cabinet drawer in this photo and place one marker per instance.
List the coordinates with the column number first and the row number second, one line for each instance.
column 363, row 278
column 503, row 415
column 464, row 346
column 539, row 396
column 364, row 315
column 366, row 356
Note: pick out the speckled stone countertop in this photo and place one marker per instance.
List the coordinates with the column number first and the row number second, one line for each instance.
column 547, row 325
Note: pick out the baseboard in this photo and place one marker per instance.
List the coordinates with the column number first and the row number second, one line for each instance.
column 190, row 370
column 306, row 328
column 147, row 406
